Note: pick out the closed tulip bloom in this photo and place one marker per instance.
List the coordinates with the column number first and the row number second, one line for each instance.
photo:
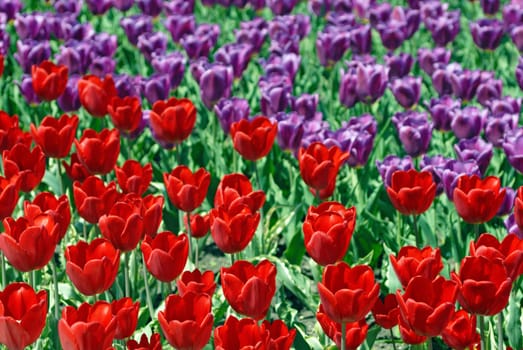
column 475, row 149
column 179, row 25
column 412, row 261
column 478, row 200
column 414, row 131
column 465, row 83
column 151, row 44
column 152, row 207
column 442, row 112
column 49, row 80
column 331, row 46
column 484, row 286
column 123, row 225
column 153, row 343
column 55, row 135
column 407, row 91
column 196, row 282
column 126, row 314
column 25, row 166
column 172, row 121
column 490, row 7
column 133, row 178
column 93, row 198
column 200, row 225
column 427, row 58
column 187, row 190
column 356, row 332
column 236, row 55
column 371, row 82
column 327, row 231
column 44, row 204
column 488, row 90
column 8, row 196
column 468, row 122
column 253, row 139
column 150, row 7
column 236, row 188
column 445, row 28
column 92, row 267
column 95, row 93
column 156, row 87
column 275, row 97
column 398, row 65
column 126, row 113
column 348, row 294
column 187, row 320
column 23, row 315
column 280, row 337
column 136, row 25
column 412, row 192
column 487, row 33
column 69, row 101
column 98, row 151
column 240, row 334
column 460, row 333
column 88, row 327
column 165, row 255
column 386, row 312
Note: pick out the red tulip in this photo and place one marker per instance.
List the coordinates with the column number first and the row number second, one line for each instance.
column 92, row 267
column 55, row 136
column 386, row 313
column 187, row 190
column 126, row 314
column 327, row 231
column 408, row 335
column 10, row 132
column 76, row 170
column 133, row 178
column 348, row 294
column 27, row 246
column 49, row 80
column 200, row 225
column 235, row 188
column 90, row 327
column 95, row 93
column 187, row 321
column 196, row 282
column 249, row 289
column 172, row 121
column 153, row 344
column 165, row 255
column 126, row 113
column 22, row 315
column 461, row 333
column 518, row 208
column 411, row 192
column 93, row 199
column 8, row 196
column 427, row 305
column 412, row 261
column 45, row 204
column 152, row 214
column 484, row 285
column 478, row 200
column 98, row 152
column 241, row 334
column 280, row 337
column 27, row 164
column 319, row 167
column 356, row 332
column 253, row 138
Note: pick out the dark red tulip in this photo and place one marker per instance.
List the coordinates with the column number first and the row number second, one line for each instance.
column 92, row 267
column 412, row 261
column 253, row 139
column 348, row 294
column 23, row 314
column 484, row 285
column 249, row 289
column 187, row 190
column 95, row 93
column 386, row 312
column 412, row 192
column 240, row 335
column 10, row 132
column 356, row 332
column 126, row 314
column 461, row 333
column 280, row 337
column 237, row 188
column 153, row 343
column 165, row 255
column 518, row 208
column 478, row 200
column 200, row 225
column 76, row 171
column 8, row 196
column 49, row 80
column 90, row 327
column 187, row 321
column 55, row 135
column 133, row 178
column 327, row 231
column 152, row 207
column 196, row 282
column 93, row 199
column 172, row 121
column 27, row 164
column 319, row 167
column 98, row 152
column 126, row 113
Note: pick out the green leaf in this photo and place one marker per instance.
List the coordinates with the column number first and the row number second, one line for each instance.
column 514, row 327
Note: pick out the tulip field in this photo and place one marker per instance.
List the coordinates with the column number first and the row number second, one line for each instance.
column 261, row 174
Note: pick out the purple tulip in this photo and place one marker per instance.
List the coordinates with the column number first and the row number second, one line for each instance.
column 10, row 8
column 398, row 65
column 289, row 26
column 499, row 125
column 442, row 111
column 361, row 8
column 82, row 32
column 361, row 40
column 435, row 165
column 516, row 34
column 406, row 90
column 364, row 122
column 507, row 104
column 444, row 29
column 512, row 227
column 476, row 149
column 519, row 73
column 358, row 142
column 156, row 87
column 275, row 98
column 281, row 7
column 127, row 85
column 67, row 7
column 215, row 83
column 104, row 44
column 441, row 78
column 487, row 33
column 427, row 58
column 347, row 88
column 150, row 7
column 231, row 110
column 512, row 16
column 282, row 64
column 453, row 170
column 136, row 25
column 390, row 164
column 200, row 43
column 392, row 34
column 410, row 18
column 290, row 131
column 468, row 122
column 172, row 64
column 99, row 7
column 30, row 52
column 371, row 82
column 490, row 7
column 489, row 90
column 307, row 105
column 513, row 147
column 123, row 5
column 331, row 46
column 26, row 89
column 235, row 55
column 380, row 14
column 257, row 4
column 508, row 202
column 151, row 44
column 253, row 37
column 100, row 66
column 414, row 130
column 180, row 25
column 432, row 9
column 315, row 131
column 31, row 26
column 69, row 100
column 179, row 7
column 59, row 26
column 341, row 19
column 465, row 83
column 76, row 56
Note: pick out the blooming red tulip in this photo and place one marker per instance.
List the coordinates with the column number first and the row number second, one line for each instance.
column 518, row 207
column 386, row 312
column 126, row 113
column 126, row 314
column 348, row 294
column 55, row 135
column 10, row 132
column 237, row 188
column 45, row 203
column 8, row 196
column 253, row 139
column 280, row 337
column 478, row 200
column 327, row 231
column 319, row 167
column 133, row 178
column 165, row 255
column 27, row 246
column 187, row 321
column 95, row 93
column 76, row 170
column 98, row 152
column 49, row 80
column 412, row 192
column 196, row 282
column 200, row 225
column 92, row 267
column 240, row 335
column 408, row 335
column 154, row 343
column 152, row 207
column 484, row 285
column 412, row 261
column 90, row 327
column 22, row 315
column 356, row 332
column 187, row 190
column 249, row 289
column 172, row 121
column 93, row 199
column 461, row 333
column 27, row 164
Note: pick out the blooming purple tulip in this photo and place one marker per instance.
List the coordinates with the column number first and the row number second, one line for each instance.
column 101, row 66
column 281, row 7
column 81, row 32
column 444, row 29
column 361, row 40
column 392, row 34
column 315, row 131
column 512, row 15
column 27, row 91
column 306, row 105
column 172, row 64
column 414, row 130
column 231, row 110
column 60, row 27
column 179, row 7
column 490, row 7
column 215, row 83
column 398, row 65
column 99, row 7
column 390, row 164
column 361, row 8
column 180, row 25
column 427, row 58
column 31, row 52
column 508, row 202
column 371, row 82
column 275, row 98
column 465, row 83
column 136, row 25
column 490, row 89
column 282, row 64
column 441, row 110
column 476, row 149
column 516, row 34
column 290, row 131
column 31, row 26
column 380, row 14
column 235, row 55
column 150, row 7
column 487, row 33
column 453, row 170
column 127, row 85
column 69, row 100
column 357, row 140
column 365, row 122
column 10, row 8
column 468, row 122
column 331, row 46
column 435, row 165
column 151, row 44
column 499, row 125
column 67, row 7
column 513, row 147
column 156, row 87
column 441, row 78
column 341, row 19
column 505, row 105
column 200, row 43
column 254, row 37
column 123, row 5
column 104, row 44
column 406, row 90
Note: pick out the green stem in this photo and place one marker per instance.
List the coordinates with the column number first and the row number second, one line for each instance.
column 482, row 331
column 232, row 259
column 147, row 292
column 429, row 344
column 189, row 238
column 416, row 230
column 260, row 232
column 476, row 230
column 500, row 330
column 343, row 335
column 196, row 254
column 126, row 274
column 32, row 279
column 60, row 180
column 55, row 290
column 392, row 339
column 399, row 219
